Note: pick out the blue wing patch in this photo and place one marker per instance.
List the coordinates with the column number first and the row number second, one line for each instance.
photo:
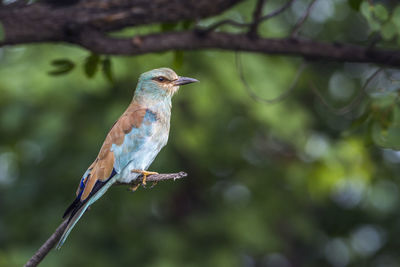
column 77, row 203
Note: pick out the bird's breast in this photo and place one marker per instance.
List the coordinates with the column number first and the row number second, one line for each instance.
column 142, row 144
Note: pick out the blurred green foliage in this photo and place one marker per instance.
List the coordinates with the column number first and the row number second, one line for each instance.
column 288, row 184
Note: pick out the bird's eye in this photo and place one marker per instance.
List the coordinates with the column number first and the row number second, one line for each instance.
column 160, row 79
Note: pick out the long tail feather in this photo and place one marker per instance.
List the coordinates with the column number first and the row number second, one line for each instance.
column 76, row 215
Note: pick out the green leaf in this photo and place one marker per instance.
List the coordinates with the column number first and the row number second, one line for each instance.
column 178, row 59
column 63, row 66
column 166, row 27
column 187, row 24
column 361, row 120
column 365, row 9
column 388, row 137
column 388, row 30
column 355, row 4
column 2, row 35
column 396, row 17
column 91, row 65
column 107, row 71
column 59, row 72
column 61, row 62
column 380, row 12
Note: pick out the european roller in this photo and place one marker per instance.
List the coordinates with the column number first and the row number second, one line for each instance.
column 133, row 142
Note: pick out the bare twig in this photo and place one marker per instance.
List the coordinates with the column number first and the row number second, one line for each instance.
column 260, row 99
column 256, row 18
column 353, row 103
column 278, row 11
column 214, row 26
column 55, row 237
column 260, row 19
column 303, row 19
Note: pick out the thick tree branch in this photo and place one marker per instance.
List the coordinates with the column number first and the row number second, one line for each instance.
column 188, row 40
column 41, row 22
column 55, row 237
column 86, row 24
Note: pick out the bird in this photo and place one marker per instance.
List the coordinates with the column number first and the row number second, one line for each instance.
column 132, row 144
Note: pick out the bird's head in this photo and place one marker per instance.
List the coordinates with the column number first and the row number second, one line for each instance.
column 161, row 82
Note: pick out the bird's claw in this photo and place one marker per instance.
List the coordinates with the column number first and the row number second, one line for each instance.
column 134, row 188
column 145, row 174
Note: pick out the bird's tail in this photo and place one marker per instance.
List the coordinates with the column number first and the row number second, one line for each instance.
column 77, row 212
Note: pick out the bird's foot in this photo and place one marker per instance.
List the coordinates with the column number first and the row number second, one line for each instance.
column 153, row 185
column 145, row 174
column 133, row 188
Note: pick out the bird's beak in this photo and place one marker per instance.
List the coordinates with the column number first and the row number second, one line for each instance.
column 184, row 80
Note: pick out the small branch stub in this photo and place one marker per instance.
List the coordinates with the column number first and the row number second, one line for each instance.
column 55, row 237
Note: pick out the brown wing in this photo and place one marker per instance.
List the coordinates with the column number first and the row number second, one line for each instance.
column 102, row 167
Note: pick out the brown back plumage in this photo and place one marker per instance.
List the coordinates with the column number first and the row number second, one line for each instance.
column 101, row 168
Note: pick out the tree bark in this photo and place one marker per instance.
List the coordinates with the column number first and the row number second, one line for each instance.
column 88, row 23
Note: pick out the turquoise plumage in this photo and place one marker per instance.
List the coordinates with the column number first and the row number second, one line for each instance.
column 132, row 143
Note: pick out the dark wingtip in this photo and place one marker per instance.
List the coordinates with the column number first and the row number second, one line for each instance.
column 71, row 207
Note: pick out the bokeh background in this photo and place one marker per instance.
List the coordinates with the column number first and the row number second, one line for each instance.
column 286, row 184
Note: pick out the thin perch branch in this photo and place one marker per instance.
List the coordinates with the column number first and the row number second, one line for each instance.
column 155, row 178
column 47, row 246
column 55, row 237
